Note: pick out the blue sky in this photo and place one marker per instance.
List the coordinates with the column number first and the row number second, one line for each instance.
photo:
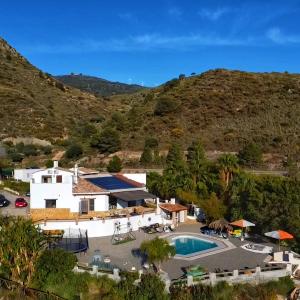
column 149, row 42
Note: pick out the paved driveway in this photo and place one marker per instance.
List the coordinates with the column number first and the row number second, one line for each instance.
column 11, row 210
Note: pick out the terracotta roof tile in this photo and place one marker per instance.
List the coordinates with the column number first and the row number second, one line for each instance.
column 84, row 186
column 172, row 207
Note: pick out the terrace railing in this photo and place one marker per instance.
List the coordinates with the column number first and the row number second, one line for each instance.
column 258, row 274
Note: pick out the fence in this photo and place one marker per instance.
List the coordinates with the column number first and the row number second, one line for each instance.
column 256, row 275
column 10, row 285
column 73, row 240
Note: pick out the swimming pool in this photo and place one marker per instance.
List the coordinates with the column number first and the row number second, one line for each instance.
column 188, row 245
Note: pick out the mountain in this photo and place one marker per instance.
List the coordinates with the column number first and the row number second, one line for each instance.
column 97, row 85
column 33, row 103
column 224, row 108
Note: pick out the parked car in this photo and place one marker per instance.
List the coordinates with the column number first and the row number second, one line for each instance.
column 20, row 202
column 3, row 201
column 27, row 194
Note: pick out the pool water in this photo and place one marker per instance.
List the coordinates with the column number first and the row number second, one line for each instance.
column 186, row 245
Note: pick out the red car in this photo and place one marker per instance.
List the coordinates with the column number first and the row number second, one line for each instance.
column 20, row 202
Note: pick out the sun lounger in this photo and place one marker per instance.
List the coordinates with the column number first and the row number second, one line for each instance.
column 257, row 248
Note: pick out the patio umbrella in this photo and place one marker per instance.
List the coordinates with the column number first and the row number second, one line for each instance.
column 220, row 224
column 279, row 235
column 242, row 223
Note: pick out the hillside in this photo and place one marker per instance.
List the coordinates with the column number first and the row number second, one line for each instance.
column 97, row 85
column 223, row 108
column 32, row 103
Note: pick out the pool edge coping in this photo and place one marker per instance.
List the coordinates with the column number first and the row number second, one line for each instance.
column 226, row 245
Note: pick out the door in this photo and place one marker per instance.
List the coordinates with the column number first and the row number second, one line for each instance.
column 84, row 206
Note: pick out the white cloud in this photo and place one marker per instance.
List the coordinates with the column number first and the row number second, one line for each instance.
column 277, row 36
column 213, row 15
column 145, row 42
column 175, row 12
column 125, row 16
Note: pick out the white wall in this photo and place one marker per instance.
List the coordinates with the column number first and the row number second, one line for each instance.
column 62, row 192
column 24, row 174
column 138, row 177
column 98, row 228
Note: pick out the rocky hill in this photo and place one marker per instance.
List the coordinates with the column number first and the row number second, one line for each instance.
column 33, row 103
column 224, row 108
column 97, row 85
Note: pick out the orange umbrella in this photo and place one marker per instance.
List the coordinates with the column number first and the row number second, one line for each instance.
column 242, row 223
column 279, row 235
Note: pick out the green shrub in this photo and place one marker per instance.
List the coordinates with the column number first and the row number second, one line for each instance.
column 53, row 266
column 30, row 150
column 146, row 157
column 165, row 105
column 16, row 157
column 151, row 142
column 49, row 164
column 74, row 151
column 250, row 155
column 108, row 141
column 47, row 150
column 114, row 165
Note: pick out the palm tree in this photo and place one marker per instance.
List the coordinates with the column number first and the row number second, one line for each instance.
column 228, row 165
column 157, row 250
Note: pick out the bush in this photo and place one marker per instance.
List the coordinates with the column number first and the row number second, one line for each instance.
column 108, row 141
column 16, row 157
column 53, row 266
column 165, row 105
column 74, row 151
column 250, row 155
column 146, row 157
column 151, row 142
column 49, row 164
column 47, row 150
column 114, row 165
column 30, row 150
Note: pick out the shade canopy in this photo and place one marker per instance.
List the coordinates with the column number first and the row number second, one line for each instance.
column 242, row 223
column 133, row 195
column 220, row 224
column 279, row 235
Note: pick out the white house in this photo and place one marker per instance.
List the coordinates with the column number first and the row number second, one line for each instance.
column 24, row 174
column 62, row 199
column 61, row 188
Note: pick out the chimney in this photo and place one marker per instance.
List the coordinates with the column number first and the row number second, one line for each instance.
column 157, row 206
column 76, row 174
column 172, row 201
column 55, row 164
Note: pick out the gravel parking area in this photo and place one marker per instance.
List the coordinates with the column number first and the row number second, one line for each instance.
column 11, row 210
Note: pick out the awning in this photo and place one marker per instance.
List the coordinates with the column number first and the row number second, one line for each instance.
column 133, row 195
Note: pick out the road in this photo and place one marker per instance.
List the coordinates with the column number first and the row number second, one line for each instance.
column 251, row 171
column 11, row 210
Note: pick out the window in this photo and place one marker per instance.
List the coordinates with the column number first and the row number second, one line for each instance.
column 59, row 179
column 91, row 204
column 46, row 179
column 50, row 203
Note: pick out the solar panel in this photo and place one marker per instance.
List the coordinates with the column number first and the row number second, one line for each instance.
column 110, row 183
